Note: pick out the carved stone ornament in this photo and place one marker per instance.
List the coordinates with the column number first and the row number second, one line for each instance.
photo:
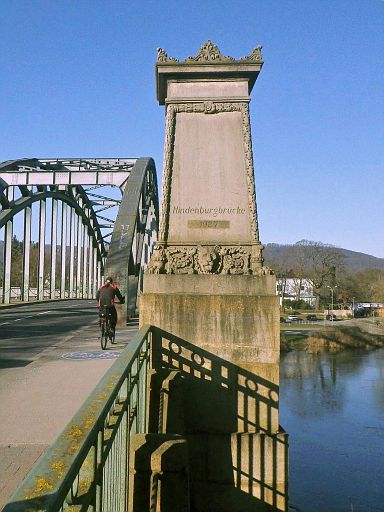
column 257, row 260
column 163, row 57
column 158, row 261
column 255, row 56
column 235, row 260
column 210, row 52
column 207, row 107
column 263, row 271
column 208, row 260
column 181, row 260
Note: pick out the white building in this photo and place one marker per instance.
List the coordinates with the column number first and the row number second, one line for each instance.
column 295, row 289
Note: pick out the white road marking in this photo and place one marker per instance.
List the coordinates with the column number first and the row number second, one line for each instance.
column 24, row 317
column 37, row 314
column 16, row 320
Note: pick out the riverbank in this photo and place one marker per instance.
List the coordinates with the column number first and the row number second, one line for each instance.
column 346, row 335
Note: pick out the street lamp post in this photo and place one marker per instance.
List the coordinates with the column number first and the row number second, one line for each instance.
column 332, row 288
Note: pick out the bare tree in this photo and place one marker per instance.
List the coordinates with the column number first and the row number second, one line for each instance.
column 298, row 255
column 282, row 273
column 17, row 262
column 369, row 285
column 319, row 263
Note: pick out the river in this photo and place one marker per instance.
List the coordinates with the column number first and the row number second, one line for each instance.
column 332, row 406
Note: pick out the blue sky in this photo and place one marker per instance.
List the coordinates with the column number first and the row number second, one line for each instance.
column 78, row 79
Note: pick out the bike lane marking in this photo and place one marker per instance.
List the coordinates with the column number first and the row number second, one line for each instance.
column 82, row 356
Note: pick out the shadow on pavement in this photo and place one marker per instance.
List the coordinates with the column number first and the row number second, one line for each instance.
column 13, row 363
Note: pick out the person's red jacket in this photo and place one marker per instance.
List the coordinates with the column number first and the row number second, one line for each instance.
column 106, row 295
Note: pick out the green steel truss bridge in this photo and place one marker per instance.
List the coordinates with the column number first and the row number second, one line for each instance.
column 67, row 222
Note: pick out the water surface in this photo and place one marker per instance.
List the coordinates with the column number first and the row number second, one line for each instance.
column 332, row 406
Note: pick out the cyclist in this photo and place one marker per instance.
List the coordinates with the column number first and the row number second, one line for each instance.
column 105, row 299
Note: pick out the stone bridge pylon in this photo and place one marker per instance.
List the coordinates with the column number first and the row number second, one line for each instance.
column 207, row 286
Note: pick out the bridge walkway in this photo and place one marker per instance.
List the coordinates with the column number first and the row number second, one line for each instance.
column 38, row 400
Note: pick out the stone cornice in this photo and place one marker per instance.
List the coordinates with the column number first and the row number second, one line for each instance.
column 208, row 64
column 197, row 100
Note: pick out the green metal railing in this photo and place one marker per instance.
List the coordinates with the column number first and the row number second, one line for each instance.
column 99, row 464
column 86, row 469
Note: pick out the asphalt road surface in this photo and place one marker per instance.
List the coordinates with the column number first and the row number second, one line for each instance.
column 27, row 331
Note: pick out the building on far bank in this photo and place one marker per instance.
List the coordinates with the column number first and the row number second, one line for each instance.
column 295, row 289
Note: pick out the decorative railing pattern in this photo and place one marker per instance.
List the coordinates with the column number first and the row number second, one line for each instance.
column 248, row 396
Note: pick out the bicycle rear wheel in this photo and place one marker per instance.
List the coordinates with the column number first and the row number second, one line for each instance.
column 112, row 335
column 104, row 335
column 110, row 331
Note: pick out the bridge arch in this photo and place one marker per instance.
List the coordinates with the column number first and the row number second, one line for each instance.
column 78, row 233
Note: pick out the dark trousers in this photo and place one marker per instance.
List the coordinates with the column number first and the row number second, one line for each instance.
column 110, row 310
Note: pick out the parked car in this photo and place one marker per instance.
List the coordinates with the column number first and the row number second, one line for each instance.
column 312, row 318
column 294, row 318
column 331, row 317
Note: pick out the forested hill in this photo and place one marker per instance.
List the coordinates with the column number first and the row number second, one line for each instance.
column 283, row 254
column 278, row 254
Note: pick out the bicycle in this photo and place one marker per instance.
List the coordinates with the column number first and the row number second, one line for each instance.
column 106, row 330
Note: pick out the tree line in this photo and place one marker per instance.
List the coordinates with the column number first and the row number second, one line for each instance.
column 17, row 265
column 325, row 268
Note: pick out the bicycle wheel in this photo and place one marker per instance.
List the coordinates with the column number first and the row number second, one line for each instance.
column 112, row 335
column 104, row 335
column 110, row 331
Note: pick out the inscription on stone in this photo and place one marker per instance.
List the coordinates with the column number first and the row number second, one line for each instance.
column 209, row 224
column 201, row 210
